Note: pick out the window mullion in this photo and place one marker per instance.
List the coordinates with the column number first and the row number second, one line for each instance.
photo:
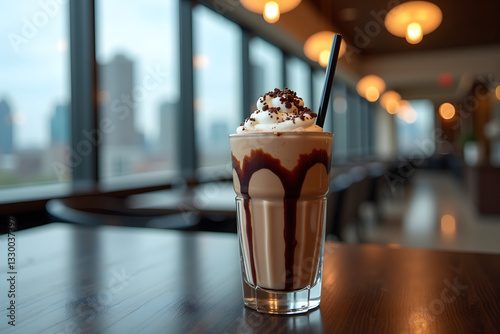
column 187, row 143
column 246, row 75
column 84, row 117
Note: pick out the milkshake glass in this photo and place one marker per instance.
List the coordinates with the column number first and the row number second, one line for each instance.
column 281, row 180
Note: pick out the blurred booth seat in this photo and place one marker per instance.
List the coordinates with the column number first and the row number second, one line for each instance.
column 350, row 187
column 339, row 184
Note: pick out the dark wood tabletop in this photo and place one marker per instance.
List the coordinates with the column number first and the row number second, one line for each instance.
column 211, row 198
column 77, row 279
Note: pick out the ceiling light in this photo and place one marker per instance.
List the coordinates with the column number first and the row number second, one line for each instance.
column 370, row 87
column 317, row 47
column 413, row 20
column 270, row 10
column 414, row 33
column 406, row 112
column 447, row 110
column 390, row 101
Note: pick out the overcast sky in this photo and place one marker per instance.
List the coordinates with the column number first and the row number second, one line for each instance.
column 34, row 61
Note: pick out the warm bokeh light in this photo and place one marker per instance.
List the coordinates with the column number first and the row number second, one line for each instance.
column 271, row 12
column 447, row 110
column 317, row 47
column 419, row 321
column 414, row 33
column 406, row 112
column 390, row 101
column 372, row 94
column 324, row 57
column 392, row 107
column 370, row 87
column 497, row 92
column 413, row 20
column 201, row 61
column 411, row 116
column 448, row 224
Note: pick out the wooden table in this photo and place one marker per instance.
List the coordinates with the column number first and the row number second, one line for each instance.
column 76, row 279
column 206, row 199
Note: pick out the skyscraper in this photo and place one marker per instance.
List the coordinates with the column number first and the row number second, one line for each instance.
column 6, row 131
column 121, row 149
column 168, row 128
column 60, row 125
column 116, row 84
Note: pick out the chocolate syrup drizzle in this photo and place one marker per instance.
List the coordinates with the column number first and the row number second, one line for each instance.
column 292, row 183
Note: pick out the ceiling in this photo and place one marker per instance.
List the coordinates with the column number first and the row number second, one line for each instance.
column 465, row 23
column 465, row 47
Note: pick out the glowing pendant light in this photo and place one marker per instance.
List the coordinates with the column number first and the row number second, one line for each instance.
column 447, row 110
column 406, row 112
column 413, row 19
column 370, row 87
column 271, row 12
column 270, row 9
column 414, row 33
column 390, row 101
column 317, row 47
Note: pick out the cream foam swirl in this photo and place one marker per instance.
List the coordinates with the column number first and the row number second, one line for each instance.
column 279, row 111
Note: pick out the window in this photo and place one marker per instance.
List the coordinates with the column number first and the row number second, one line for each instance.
column 353, row 123
column 340, row 116
column 137, row 58
column 34, row 93
column 298, row 79
column 266, row 63
column 217, row 85
column 415, row 129
column 364, row 107
column 318, row 83
column 370, row 129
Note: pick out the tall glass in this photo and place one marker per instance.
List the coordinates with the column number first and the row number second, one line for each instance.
column 281, row 181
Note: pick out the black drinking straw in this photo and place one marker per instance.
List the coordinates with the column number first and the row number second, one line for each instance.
column 330, row 72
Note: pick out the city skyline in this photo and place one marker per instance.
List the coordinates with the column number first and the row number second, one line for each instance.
column 48, row 44
column 31, row 89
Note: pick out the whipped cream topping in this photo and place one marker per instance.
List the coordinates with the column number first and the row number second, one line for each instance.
column 280, row 111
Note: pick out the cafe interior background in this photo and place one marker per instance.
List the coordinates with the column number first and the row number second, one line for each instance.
column 124, row 108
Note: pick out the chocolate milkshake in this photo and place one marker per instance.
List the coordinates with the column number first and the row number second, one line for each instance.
column 281, row 164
